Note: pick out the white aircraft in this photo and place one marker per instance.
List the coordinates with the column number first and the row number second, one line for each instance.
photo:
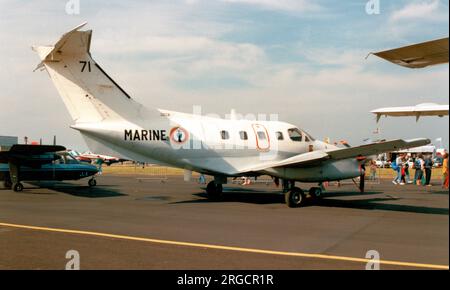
column 111, row 121
column 427, row 109
column 418, row 55
column 89, row 156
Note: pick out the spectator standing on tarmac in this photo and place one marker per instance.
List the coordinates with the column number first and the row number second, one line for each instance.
column 418, row 165
column 445, row 171
column 397, row 166
column 373, row 170
column 99, row 163
column 428, row 165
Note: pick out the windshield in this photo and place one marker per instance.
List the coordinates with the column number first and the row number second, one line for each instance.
column 65, row 158
column 295, row 135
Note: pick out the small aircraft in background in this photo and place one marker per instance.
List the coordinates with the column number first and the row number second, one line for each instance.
column 421, row 110
column 41, row 163
column 88, row 157
column 414, row 56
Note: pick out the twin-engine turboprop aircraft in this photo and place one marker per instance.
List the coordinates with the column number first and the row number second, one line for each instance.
column 41, row 163
column 113, row 123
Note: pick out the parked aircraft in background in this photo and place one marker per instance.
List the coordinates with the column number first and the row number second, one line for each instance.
column 418, row 111
column 419, row 55
column 90, row 157
column 39, row 163
column 111, row 121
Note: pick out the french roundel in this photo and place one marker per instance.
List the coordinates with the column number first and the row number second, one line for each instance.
column 179, row 135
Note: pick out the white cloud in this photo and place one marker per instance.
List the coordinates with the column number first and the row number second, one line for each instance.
column 284, row 5
column 423, row 10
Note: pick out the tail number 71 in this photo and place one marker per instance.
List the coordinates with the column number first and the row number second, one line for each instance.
column 85, row 64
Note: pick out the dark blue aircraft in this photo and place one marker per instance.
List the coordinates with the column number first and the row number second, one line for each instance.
column 41, row 163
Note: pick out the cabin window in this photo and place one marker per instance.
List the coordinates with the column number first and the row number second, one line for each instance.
column 243, row 135
column 295, row 135
column 279, row 136
column 261, row 135
column 225, row 135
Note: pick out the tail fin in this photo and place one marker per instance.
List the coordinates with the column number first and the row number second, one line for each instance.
column 88, row 92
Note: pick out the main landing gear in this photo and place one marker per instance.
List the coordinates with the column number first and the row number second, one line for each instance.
column 296, row 197
column 16, row 186
column 214, row 190
column 13, row 180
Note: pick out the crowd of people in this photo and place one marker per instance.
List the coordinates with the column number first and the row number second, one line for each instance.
column 422, row 166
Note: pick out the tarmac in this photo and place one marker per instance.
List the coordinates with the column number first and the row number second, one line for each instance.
column 136, row 222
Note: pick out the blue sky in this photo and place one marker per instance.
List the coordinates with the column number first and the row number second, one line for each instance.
column 303, row 60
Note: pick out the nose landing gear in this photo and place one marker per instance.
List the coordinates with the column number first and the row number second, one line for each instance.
column 92, row 182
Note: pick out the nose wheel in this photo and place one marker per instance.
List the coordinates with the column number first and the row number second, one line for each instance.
column 92, row 182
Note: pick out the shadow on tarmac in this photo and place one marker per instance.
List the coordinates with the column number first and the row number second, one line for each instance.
column 76, row 190
column 328, row 200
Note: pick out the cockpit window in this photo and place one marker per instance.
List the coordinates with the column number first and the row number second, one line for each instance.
column 295, row 135
column 70, row 159
column 65, row 158
column 308, row 137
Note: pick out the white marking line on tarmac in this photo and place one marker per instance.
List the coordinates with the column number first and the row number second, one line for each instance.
column 227, row 248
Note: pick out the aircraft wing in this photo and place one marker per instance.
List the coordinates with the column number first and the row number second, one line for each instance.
column 316, row 157
column 29, row 153
column 376, row 148
column 418, row 55
column 416, row 111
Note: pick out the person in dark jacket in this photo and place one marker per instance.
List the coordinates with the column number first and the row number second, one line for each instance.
column 428, row 165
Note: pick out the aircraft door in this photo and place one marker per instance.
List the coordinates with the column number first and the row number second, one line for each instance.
column 262, row 137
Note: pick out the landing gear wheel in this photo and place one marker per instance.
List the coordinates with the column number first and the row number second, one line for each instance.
column 17, row 187
column 214, row 190
column 315, row 192
column 7, row 184
column 295, row 197
column 92, row 182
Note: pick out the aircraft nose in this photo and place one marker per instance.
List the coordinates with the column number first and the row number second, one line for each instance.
column 92, row 170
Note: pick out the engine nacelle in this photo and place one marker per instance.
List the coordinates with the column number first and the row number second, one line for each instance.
column 326, row 171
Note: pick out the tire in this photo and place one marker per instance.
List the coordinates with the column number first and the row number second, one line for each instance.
column 17, row 187
column 295, row 197
column 315, row 192
column 92, row 182
column 214, row 190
